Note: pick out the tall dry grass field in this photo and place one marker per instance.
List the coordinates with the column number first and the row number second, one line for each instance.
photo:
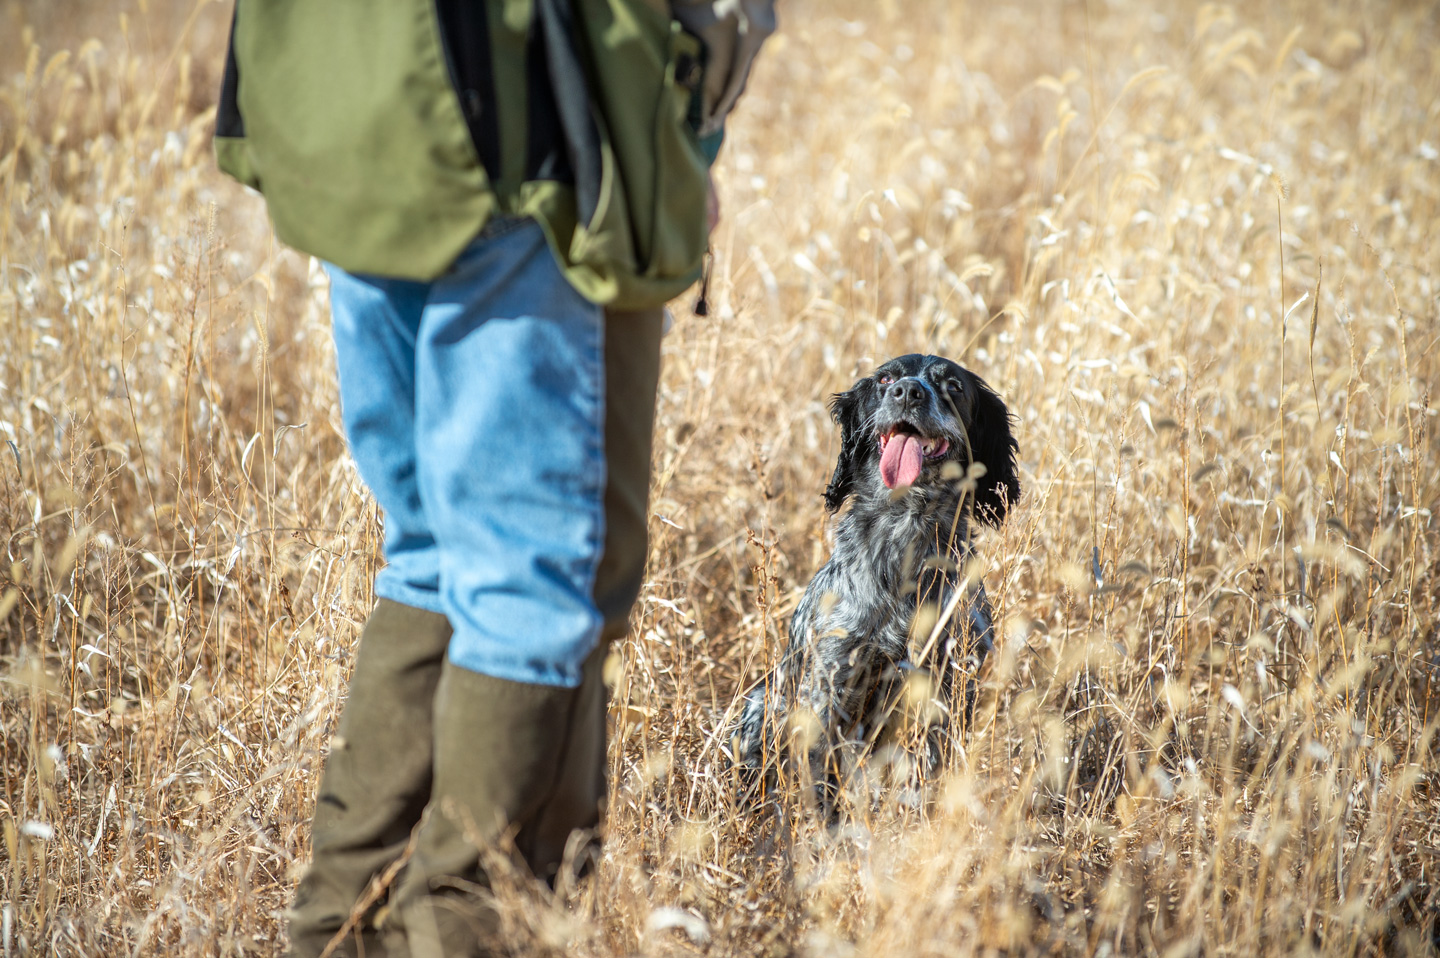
column 1193, row 246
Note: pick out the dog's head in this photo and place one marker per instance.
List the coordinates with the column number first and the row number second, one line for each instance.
column 901, row 425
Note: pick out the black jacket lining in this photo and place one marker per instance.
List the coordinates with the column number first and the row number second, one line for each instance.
column 465, row 35
column 571, row 97
column 545, row 154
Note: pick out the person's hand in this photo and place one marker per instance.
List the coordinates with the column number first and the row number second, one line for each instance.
column 712, row 203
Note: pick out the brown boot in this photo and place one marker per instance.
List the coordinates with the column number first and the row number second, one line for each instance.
column 377, row 778
column 510, row 757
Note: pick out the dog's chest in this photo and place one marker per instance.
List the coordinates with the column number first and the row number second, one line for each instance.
column 880, row 594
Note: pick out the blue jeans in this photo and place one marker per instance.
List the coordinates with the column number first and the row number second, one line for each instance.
column 474, row 407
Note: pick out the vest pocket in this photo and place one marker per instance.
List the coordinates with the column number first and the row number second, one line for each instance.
column 640, row 176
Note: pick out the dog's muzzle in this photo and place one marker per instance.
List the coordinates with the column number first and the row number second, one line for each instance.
column 907, row 440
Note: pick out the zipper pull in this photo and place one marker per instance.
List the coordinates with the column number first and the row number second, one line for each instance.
column 702, row 303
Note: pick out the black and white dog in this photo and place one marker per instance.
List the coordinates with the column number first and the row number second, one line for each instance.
column 925, row 448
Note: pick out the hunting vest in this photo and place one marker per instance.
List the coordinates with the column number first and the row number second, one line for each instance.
column 384, row 134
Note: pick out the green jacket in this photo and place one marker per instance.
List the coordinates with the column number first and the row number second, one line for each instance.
column 385, row 133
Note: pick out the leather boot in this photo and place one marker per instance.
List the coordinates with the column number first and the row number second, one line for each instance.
column 377, row 777
column 510, row 758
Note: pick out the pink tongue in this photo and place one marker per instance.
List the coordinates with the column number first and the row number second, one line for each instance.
column 901, row 461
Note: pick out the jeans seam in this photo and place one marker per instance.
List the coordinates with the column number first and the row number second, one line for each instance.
column 600, row 465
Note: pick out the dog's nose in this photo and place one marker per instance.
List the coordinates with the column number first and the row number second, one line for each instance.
column 907, row 392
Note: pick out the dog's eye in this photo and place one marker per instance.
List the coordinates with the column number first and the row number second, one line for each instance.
column 885, row 379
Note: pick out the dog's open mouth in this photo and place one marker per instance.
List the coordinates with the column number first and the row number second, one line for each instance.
column 903, row 452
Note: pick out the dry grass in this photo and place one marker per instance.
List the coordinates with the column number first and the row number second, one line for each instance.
column 1211, row 723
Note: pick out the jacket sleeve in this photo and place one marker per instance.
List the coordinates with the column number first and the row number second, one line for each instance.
column 732, row 31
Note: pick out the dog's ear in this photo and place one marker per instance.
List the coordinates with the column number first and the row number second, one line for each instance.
column 850, row 412
column 992, row 443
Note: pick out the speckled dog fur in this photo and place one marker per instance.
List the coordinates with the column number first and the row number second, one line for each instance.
column 896, row 550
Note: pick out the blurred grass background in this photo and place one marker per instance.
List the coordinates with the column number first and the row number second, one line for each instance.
column 1192, row 245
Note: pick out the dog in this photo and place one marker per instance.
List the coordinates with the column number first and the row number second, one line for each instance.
column 926, row 447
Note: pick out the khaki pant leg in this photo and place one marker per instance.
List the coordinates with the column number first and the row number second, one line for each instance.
column 632, row 374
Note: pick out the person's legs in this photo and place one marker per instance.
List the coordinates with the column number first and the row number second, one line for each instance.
column 377, row 776
column 526, row 755
column 510, row 427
